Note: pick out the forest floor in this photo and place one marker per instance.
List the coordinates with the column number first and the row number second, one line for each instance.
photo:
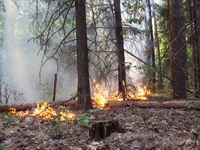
column 146, row 129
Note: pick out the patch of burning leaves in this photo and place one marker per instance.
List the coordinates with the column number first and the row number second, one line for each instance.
column 145, row 129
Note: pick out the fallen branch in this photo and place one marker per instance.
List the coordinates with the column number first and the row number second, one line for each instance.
column 174, row 104
column 31, row 106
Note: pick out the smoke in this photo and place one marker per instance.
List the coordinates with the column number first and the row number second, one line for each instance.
column 21, row 62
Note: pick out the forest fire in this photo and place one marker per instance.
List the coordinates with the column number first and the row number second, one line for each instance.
column 45, row 111
column 102, row 96
column 99, row 100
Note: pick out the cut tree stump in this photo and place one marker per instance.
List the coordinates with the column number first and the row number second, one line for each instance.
column 104, row 128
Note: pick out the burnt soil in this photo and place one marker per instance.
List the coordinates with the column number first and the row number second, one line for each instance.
column 146, row 129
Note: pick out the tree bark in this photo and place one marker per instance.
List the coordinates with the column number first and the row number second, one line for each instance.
column 152, row 75
column 167, row 104
column 157, row 45
column 194, row 15
column 83, row 90
column 120, row 50
column 103, row 128
column 31, row 106
column 170, row 104
column 178, row 51
column 54, row 87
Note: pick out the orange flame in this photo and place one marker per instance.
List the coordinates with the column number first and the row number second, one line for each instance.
column 45, row 111
column 102, row 96
column 140, row 94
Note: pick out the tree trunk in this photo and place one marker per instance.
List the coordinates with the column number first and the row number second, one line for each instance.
column 196, row 44
column 178, row 51
column 31, row 106
column 170, row 104
column 120, row 50
column 1, row 55
column 157, row 45
column 54, row 87
column 152, row 86
column 83, row 90
column 167, row 104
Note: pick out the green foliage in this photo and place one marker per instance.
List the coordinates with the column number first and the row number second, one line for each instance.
column 127, row 5
column 1, row 147
column 124, row 32
column 193, row 105
column 128, row 65
column 54, row 122
column 47, row 92
column 83, row 119
column 146, row 68
column 134, row 20
column 1, row 27
column 137, row 5
column 135, row 10
column 145, row 116
column 8, row 117
column 170, row 121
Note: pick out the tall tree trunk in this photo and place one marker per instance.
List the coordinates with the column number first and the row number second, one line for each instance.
column 1, row 53
column 120, row 49
column 151, row 50
column 83, row 90
column 178, row 51
column 157, row 45
column 195, row 38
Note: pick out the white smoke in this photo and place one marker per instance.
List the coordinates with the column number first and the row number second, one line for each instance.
column 21, row 62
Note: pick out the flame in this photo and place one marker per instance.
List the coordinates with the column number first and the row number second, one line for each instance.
column 140, row 94
column 45, row 111
column 102, row 96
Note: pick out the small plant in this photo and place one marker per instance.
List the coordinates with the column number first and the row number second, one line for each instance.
column 93, row 110
column 8, row 117
column 169, row 121
column 193, row 105
column 83, row 119
column 57, row 129
column 1, row 147
column 47, row 91
column 9, row 94
column 145, row 117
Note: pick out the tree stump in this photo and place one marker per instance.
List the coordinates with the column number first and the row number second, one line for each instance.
column 104, row 128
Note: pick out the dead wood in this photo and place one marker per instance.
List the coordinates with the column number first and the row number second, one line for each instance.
column 174, row 104
column 30, row 106
column 103, row 128
column 54, row 87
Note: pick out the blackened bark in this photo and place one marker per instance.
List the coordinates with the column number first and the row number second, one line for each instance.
column 103, row 128
column 83, row 90
column 120, row 49
column 178, row 51
column 54, row 87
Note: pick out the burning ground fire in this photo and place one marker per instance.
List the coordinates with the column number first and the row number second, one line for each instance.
column 102, row 96
column 45, row 111
column 99, row 100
